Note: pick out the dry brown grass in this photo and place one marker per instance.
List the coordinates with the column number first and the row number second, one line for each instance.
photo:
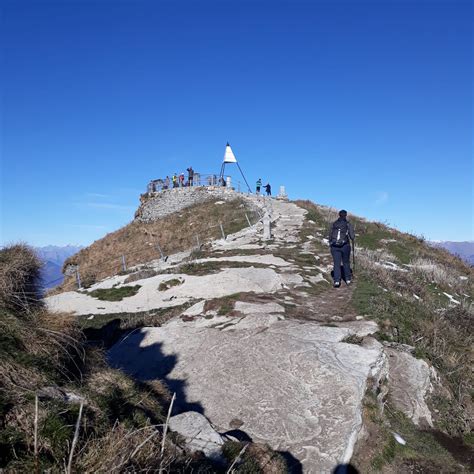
column 19, row 278
column 138, row 241
column 122, row 450
column 440, row 273
column 43, row 358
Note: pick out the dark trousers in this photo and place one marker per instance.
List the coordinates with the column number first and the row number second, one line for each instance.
column 342, row 254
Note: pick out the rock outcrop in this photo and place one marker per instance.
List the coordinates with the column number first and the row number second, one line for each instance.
column 285, row 364
column 410, row 384
column 158, row 205
column 293, row 385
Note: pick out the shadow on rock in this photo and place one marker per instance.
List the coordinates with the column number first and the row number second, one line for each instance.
column 294, row 465
column 105, row 336
column 146, row 363
column 239, row 435
column 345, row 469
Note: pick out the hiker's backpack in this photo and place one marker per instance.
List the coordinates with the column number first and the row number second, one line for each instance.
column 339, row 233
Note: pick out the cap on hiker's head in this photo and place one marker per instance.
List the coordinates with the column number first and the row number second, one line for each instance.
column 343, row 213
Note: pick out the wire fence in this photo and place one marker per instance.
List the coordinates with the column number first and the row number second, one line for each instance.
column 122, row 263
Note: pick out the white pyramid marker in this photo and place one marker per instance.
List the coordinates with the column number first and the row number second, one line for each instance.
column 229, row 156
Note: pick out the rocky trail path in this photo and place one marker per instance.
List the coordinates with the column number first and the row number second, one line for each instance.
column 266, row 352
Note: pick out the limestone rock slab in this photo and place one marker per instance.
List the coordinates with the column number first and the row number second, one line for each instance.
column 292, row 384
column 218, row 285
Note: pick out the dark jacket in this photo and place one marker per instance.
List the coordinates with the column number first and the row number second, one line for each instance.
column 350, row 229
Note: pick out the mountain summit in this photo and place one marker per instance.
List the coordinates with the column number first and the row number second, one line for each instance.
column 226, row 298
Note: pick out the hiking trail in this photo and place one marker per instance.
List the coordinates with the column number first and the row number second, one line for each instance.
column 266, row 345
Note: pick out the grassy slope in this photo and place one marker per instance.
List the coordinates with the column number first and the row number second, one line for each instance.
column 440, row 331
column 138, row 241
column 47, row 356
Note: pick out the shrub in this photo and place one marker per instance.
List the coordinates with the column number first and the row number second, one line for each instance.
column 19, row 278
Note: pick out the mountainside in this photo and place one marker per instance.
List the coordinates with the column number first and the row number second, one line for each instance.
column 248, row 332
column 464, row 250
column 53, row 258
column 258, row 360
column 164, row 225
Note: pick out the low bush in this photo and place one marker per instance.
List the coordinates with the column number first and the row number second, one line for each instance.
column 20, row 287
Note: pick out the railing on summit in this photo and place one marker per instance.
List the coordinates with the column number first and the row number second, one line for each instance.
column 199, row 180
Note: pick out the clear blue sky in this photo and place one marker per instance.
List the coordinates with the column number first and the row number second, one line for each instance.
column 365, row 105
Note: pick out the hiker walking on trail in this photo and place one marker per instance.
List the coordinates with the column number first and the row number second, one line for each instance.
column 341, row 232
column 175, row 181
column 258, row 185
column 268, row 189
column 190, row 175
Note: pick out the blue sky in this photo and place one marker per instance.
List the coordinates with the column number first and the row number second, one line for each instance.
column 365, row 105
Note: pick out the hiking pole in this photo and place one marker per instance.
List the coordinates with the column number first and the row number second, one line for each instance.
column 353, row 256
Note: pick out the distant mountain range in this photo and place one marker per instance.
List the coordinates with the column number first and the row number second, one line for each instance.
column 53, row 257
column 464, row 250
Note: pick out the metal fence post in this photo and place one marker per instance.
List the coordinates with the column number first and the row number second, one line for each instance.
column 222, row 230
column 124, row 265
column 161, row 251
column 78, row 279
column 248, row 220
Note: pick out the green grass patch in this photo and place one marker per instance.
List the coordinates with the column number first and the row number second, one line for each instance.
column 208, row 268
column 231, row 449
column 422, row 450
column 370, row 236
column 401, row 250
column 114, row 294
column 222, row 305
column 468, row 438
column 365, row 295
column 166, row 285
column 353, row 339
column 58, row 427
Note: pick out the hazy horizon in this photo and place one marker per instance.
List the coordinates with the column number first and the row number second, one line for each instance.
column 360, row 105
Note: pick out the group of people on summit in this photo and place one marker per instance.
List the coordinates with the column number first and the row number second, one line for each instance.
column 178, row 180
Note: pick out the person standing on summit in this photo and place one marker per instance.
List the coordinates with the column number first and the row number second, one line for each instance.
column 258, row 186
column 341, row 232
column 190, row 175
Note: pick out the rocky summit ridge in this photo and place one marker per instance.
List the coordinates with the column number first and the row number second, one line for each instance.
column 260, row 347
